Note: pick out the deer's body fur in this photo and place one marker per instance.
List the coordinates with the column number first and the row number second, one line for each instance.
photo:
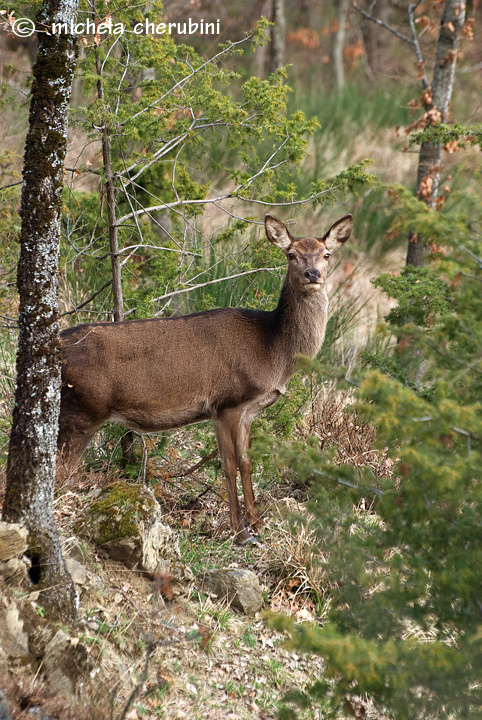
column 225, row 365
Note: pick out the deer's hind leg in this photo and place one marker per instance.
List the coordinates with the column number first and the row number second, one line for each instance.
column 243, row 444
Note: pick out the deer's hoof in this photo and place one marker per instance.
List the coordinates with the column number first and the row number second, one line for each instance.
column 251, row 540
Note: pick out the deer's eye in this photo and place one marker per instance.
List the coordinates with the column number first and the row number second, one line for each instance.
column 291, row 256
column 327, row 256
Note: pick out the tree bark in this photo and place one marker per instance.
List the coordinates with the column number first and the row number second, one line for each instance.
column 339, row 44
column 372, row 35
column 261, row 57
column 278, row 35
column 33, row 440
column 437, row 100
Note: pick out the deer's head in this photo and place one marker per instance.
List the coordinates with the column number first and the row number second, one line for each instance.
column 308, row 256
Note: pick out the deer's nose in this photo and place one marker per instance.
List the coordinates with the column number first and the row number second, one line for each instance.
column 312, row 275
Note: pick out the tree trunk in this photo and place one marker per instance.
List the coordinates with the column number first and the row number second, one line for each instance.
column 339, row 44
column 127, row 440
column 278, row 35
column 111, row 207
column 33, row 440
column 113, row 233
column 437, row 106
column 261, row 57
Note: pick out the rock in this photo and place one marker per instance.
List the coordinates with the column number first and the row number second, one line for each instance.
column 15, row 569
column 65, row 664
column 240, row 587
column 13, row 638
column 13, row 540
column 125, row 520
column 111, row 676
column 4, row 712
column 77, row 571
column 71, row 547
column 13, row 544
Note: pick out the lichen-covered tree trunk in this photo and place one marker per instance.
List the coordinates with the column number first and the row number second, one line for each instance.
column 437, row 100
column 33, row 439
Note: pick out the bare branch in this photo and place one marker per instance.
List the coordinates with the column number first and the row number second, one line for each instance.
column 198, row 465
column 220, row 198
column 82, row 168
column 4, row 187
column 132, row 249
column 290, row 203
column 416, row 44
column 377, row 21
column 89, row 300
column 212, row 282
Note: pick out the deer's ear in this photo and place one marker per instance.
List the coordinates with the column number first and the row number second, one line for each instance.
column 277, row 233
column 339, row 233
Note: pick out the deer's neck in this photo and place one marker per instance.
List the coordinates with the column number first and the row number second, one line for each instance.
column 300, row 323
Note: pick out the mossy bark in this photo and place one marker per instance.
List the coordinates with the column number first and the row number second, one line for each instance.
column 33, row 439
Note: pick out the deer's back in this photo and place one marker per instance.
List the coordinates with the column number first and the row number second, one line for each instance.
column 169, row 372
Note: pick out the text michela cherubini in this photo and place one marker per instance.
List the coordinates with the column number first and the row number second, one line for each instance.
column 146, row 27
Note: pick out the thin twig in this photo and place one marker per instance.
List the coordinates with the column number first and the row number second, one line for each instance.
column 211, row 282
column 377, row 21
column 197, row 466
column 416, row 44
column 4, row 187
column 89, row 300
column 184, row 80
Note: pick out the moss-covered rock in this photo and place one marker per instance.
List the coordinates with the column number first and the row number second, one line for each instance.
column 125, row 520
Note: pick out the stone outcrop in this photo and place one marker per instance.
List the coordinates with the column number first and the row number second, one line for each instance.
column 13, row 544
column 125, row 521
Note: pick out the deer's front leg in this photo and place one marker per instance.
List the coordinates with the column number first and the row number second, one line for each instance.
column 226, row 428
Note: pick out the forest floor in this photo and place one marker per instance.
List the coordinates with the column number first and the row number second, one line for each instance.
column 191, row 656
column 159, row 649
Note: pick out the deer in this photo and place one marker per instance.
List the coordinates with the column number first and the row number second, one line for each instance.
column 225, row 365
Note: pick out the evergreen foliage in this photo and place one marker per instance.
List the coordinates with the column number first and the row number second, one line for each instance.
column 186, row 133
column 406, row 616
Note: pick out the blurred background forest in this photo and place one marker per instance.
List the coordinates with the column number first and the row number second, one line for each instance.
column 384, row 429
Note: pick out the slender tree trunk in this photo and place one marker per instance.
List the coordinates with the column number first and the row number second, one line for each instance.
column 372, row 35
column 339, row 44
column 278, row 35
column 127, row 440
column 113, row 233
column 437, row 106
column 111, row 208
column 261, row 57
column 33, row 440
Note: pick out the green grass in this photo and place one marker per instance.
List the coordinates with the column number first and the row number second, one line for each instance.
column 345, row 114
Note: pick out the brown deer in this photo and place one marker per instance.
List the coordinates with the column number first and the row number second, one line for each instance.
column 225, row 365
